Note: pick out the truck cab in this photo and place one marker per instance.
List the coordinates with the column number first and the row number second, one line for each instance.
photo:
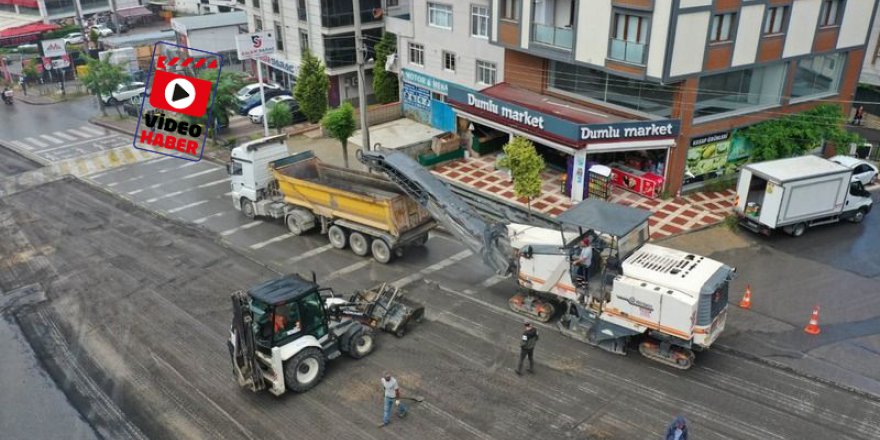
column 249, row 171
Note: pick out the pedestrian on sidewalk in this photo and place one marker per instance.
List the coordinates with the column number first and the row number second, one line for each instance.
column 391, row 396
column 23, row 84
column 860, row 113
column 527, row 347
column 677, row 430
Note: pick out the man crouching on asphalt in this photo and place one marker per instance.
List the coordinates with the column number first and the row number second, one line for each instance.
column 392, row 394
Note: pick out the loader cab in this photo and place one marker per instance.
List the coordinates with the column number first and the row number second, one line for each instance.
column 286, row 309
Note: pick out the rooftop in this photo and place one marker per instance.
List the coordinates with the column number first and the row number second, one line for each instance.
column 211, row 21
column 547, row 104
column 282, row 290
column 138, row 39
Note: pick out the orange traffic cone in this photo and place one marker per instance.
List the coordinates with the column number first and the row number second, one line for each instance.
column 746, row 302
column 813, row 327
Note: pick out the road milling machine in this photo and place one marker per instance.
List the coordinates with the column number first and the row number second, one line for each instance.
column 671, row 302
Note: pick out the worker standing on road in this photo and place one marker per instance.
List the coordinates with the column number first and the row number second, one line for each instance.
column 677, row 430
column 392, row 395
column 527, row 347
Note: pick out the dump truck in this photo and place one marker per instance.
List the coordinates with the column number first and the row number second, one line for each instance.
column 796, row 193
column 363, row 211
column 669, row 301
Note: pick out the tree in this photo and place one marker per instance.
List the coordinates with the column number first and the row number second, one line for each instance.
column 279, row 116
column 526, row 166
column 385, row 85
column 340, row 123
column 224, row 103
column 30, row 71
column 93, row 37
column 102, row 79
column 312, row 85
column 798, row 134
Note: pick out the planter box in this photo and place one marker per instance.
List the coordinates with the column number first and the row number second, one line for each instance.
column 431, row 159
column 486, row 144
column 445, row 143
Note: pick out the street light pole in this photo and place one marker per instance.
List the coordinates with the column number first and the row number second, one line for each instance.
column 362, row 91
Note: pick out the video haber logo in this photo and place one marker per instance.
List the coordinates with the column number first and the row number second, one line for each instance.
column 181, row 94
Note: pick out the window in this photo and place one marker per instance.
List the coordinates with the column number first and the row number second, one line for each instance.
column 301, row 10
column 440, row 15
column 391, row 3
column 276, row 8
column 817, row 75
column 632, row 94
column 510, row 9
column 417, row 54
column 775, row 19
column 740, row 91
column 480, row 21
column 630, row 38
column 449, row 61
column 256, row 3
column 258, row 24
column 279, row 36
column 486, row 72
column 721, row 26
column 829, row 13
column 303, row 40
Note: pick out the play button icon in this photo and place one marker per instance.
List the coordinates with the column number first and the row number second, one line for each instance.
column 180, row 93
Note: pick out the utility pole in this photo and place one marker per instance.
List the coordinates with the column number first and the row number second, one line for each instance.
column 113, row 18
column 362, row 92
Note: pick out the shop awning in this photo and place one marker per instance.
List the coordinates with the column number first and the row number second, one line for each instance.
column 136, row 11
column 26, row 3
column 28, row 29
column 607, row 217
column 516, row 132
column 550, row 105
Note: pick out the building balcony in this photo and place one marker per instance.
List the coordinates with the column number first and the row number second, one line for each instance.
column 557, row 37
column 398, row 19
column 627, row 51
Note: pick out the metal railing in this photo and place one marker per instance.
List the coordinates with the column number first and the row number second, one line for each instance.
column 552, row 35
column 628, row 51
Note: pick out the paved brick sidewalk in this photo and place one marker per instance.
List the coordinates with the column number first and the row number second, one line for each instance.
column 671, row 217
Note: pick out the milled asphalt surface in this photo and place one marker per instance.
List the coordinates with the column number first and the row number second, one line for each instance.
column 12, row 163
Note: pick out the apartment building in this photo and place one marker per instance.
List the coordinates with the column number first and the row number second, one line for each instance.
column 657, row 89
column 21, row 12
column 326, row 28
column 440, row 43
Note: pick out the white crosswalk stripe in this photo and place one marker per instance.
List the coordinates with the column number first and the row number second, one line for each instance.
column 241, row 228
column 93, row 129
column 81, row 134
column 37, row 143
column 51, row 139
column 263, row 244
column 24, row 145
column 64, row 135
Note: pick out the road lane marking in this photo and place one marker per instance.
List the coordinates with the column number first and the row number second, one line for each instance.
column 24, row 145
column 241, row 228
column 432, row 268
column 36, row 142
column 131, row 193
column 309, row 254
column 263, row 244
column 204, row 219
column 51, row 139
column 165, row 196
column 216, row 182
column 92, row 129
column 64, row 135
column 72, row 144
column 348, row 269
column 181, row 208
column 201, row 173
column 187, row 164
column 493, row 280
column 80, row 134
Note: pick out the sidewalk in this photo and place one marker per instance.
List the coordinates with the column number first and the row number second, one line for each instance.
column 671, row 217
column 46, row 94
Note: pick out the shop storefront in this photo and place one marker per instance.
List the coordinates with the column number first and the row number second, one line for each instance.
column 281, row 71
column 424, row 100
column 714, row 156
column 636, row 151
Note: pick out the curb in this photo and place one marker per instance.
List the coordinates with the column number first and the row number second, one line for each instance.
column 29, row 102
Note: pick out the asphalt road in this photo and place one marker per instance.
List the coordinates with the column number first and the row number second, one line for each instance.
column 12, row 163
column 142, row 306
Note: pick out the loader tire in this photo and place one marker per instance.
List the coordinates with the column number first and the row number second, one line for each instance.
column 304, row 370
column 361, row 343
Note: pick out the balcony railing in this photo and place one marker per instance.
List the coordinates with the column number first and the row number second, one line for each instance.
column 552, row 36
column 629, row 51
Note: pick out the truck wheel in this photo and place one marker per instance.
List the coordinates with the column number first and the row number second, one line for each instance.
column 337, row 237
column 798, row 229
column 361, row 343
column 359, row 244
column 858, row 216
column 381, row 251
column 303, row 371
column 247, row 208
column 293, row 225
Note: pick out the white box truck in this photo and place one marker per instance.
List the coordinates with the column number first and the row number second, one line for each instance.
column 796, row 193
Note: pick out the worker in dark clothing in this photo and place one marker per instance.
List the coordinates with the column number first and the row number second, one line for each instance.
column 527, row 347
column 677, row 430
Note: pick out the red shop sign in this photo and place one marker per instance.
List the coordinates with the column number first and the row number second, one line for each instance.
column 648, row 185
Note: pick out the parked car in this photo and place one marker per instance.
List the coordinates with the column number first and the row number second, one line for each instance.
column 256, row 114
column 74, row 38
column 124, row 92
column 248, row 104
column 252, row 89
column 863, row 171
column 102, row 30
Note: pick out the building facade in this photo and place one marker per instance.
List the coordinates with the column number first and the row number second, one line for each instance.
column 871, row 67
column 326, row 28
column 657, row 89
column 441, row 43
column 46, row 11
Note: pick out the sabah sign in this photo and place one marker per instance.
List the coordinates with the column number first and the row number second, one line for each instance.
column 176, row 121
column 256, row 45
column 54, row 48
